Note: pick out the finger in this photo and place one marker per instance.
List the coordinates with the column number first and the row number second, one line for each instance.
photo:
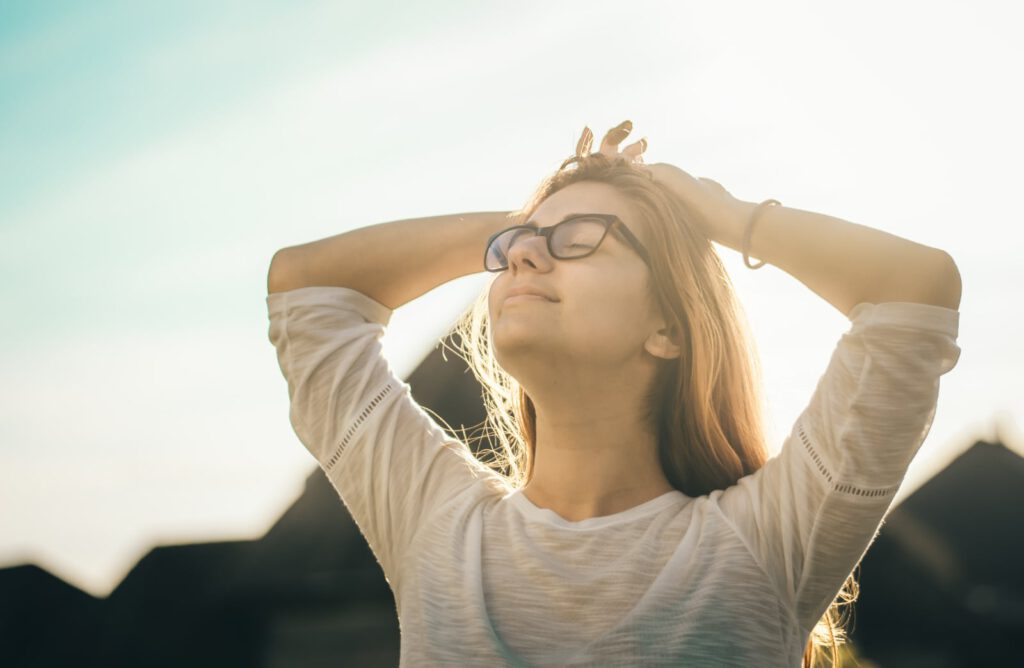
column 634, row 150
column 615, row 136
column 586, row 140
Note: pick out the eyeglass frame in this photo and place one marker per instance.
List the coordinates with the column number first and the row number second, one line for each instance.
column 611, row 221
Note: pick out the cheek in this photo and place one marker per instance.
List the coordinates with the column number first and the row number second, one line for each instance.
column 615, row 295
column 610, row 316
column 492, row 304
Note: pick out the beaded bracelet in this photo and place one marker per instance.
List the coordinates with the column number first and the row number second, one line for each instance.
column 750, row 231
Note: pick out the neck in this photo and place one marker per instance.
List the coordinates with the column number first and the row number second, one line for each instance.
column 596, row 464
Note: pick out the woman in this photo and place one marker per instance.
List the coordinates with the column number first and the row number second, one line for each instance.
column 632, row 516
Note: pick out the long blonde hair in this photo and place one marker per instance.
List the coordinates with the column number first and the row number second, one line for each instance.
column 707, row 404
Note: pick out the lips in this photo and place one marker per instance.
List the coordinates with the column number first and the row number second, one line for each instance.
column 516, row 298
column 529, row 290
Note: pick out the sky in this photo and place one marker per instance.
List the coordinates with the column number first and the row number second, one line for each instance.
column 155, row 156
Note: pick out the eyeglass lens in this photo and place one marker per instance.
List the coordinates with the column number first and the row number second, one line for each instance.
column 573, row 238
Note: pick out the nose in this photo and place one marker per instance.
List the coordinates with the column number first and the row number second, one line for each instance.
column 531, row 250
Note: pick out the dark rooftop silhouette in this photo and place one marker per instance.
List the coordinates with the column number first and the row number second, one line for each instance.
column 941, row 586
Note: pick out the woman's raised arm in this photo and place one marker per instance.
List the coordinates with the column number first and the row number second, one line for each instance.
column 393, row 262
column 842, row 262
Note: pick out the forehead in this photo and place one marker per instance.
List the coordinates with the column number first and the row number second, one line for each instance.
column 587, row 197
column 582, row 197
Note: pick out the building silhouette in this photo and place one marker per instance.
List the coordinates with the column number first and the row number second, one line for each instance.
column 942, row 586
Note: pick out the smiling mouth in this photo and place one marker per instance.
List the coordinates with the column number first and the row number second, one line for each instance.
column 523, row 297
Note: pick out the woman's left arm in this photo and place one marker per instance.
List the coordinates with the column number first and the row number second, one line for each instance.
column 843, row 262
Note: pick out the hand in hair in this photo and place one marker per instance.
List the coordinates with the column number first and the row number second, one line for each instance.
column 713, row 209
column 610, row 143
column 718, row 214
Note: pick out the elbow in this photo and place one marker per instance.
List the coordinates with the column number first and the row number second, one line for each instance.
column 925, row 278
column 950, row 286
column 277, row 274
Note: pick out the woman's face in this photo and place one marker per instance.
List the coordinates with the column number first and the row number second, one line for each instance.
column 601, row 312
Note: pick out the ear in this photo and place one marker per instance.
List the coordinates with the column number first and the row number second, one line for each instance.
column 664, row 343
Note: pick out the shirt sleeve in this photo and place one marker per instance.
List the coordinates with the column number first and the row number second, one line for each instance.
column 392, row 465
column 811, row 512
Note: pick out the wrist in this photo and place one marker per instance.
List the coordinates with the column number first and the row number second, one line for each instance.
column 732, row 233
column 746, row 245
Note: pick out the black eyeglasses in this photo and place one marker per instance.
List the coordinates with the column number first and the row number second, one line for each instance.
column 573, row 238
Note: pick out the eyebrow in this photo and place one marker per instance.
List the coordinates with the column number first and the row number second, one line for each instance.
column 533, row 223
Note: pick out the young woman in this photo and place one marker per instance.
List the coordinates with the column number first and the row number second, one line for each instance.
column 632, row 516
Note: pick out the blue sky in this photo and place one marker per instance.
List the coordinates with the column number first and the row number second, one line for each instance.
column 156, row 156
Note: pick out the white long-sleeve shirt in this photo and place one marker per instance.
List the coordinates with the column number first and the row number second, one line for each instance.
column 483, row 577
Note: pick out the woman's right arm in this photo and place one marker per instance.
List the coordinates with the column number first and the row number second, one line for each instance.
column 393, row 262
